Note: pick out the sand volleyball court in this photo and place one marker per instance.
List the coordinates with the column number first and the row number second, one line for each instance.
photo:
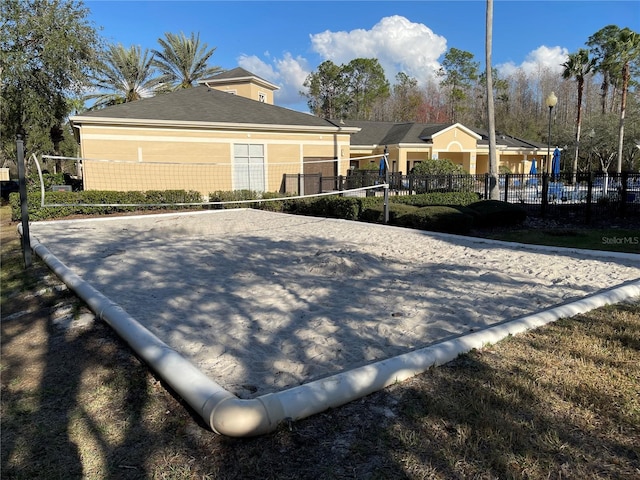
column 261, row 302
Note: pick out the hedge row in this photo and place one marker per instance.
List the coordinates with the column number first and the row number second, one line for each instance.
column 438, row 198
column 100, row 202
column 453, row 212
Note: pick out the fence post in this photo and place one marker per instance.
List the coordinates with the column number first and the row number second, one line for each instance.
column 506, row 186
column 24, row 206
column 545, row 193
column 623, row 177
column 486, row 186
column 589, row 196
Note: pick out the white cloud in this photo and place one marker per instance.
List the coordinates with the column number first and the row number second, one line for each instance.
column 397, row 43
column 259, row 67
column 541, row 59
column 293, row 72
column 288, row 73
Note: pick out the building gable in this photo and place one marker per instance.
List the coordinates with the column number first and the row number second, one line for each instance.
column 455, row 138
column 239, row 81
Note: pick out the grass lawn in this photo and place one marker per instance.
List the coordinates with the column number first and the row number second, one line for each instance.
column 616, row 240
column 560, row 402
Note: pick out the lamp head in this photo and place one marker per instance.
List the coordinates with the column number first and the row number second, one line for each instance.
column 552, row 100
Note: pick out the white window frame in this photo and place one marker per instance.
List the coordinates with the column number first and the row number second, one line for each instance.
column 249, row 167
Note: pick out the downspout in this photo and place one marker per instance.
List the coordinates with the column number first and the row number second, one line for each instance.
column 229, row 415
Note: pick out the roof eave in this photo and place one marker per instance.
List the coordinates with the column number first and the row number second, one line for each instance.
column 228, row 81
column 461, row 127
column 134, row 122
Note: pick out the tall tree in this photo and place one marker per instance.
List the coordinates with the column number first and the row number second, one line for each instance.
column 366, row 84
column 48, row 51
column 182, row 60
column 406, row 98
column 347, row 91
column 578, row 66
column 124, row 75
column 602, row 45
column 494, row 188
column 628, row 48
column 458, row 71
column 618, row 54
column 500, row 98
column 326, row 92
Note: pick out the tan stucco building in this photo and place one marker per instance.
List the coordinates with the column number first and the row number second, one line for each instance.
column 411, row 143
column 230, row 126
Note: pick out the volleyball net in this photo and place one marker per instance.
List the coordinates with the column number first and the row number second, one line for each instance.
column 90, row 182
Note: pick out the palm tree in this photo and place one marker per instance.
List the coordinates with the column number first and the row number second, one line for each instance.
column 578, row 66
column 618, row 53
column 628, row 46
column 183, row 61
column 125, row 75
column 600, row 44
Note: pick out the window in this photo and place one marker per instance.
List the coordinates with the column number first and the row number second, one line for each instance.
column 248, row 167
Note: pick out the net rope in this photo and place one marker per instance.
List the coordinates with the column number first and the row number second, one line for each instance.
column 128, row 175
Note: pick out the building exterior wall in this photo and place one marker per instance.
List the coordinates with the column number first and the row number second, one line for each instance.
column 482, row 163
column 459, row 147
column 516, row 162
column 160, row 158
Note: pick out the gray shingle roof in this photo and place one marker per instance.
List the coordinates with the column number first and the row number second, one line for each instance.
column 506, row 140
column 237, row 72
column 390, row 133
column 203, row 104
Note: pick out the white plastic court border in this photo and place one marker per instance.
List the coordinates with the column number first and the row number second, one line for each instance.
column 229, row 415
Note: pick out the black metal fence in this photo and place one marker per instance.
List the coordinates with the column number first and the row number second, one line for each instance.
column 591, row 196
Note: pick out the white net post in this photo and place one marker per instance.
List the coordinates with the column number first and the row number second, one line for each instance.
column 386, row 186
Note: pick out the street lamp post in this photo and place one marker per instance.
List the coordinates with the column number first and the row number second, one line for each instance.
column 551, row 102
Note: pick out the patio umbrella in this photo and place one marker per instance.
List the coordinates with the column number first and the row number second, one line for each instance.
column 555, row 164
column 383, row 167
column 533, row 170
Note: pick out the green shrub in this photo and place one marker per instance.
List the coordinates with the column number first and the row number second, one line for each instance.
column 437, row 219
column 433, row 166
column 98, row 202
column 347, row 208
column 172, row 196
column 375, row 212
column 370, row 202
column 438, row 198
column 240, row 196
column 495, row 213
column 280, row 205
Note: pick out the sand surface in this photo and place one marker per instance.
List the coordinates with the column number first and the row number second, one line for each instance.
column 261, row 301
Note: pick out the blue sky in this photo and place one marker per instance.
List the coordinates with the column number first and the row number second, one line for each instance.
column 283, row 41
